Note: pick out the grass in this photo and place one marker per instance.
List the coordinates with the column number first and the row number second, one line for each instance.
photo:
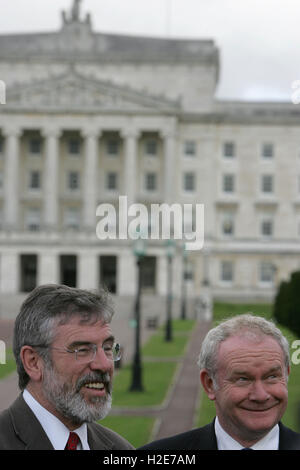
column 10, row 366
column 135, row 429
column 291, row 416
column 157, row 377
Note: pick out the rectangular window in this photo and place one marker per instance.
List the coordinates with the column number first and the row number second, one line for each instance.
column 267, row 184
column 73, row 180
column 151, row 181
column 189, row 181
column 228, row 183
column 151, row 147
column 190, row 148
column 227, row 227
column 74, row 146
column 112, row 147
column 35, row 146
column 267, row 227
column 267, row 150
column 266, row 274
column 229, row 149
column 33, row 219
column 72, row 218
column 35, row 180
column 226, row 271
column 112, row 181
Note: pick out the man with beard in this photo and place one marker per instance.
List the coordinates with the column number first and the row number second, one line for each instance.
column 65, row 352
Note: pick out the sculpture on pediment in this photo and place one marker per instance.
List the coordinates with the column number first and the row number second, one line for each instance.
column 74, row 14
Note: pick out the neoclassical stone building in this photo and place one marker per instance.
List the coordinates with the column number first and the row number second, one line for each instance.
column 91, row 116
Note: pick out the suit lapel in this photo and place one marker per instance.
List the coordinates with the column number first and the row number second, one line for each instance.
column 27, row 427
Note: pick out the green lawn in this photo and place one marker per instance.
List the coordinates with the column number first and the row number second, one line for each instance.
column 136, row 429
column 291, row 417
column 10, row 366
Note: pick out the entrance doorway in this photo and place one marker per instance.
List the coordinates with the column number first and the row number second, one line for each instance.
column 28, row 272
column 148, row 267
column 108, row 273
column 68, row 270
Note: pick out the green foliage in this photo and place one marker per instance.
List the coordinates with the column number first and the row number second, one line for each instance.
column 286, row 309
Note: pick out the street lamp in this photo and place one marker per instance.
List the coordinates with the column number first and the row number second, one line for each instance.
column 170, row 250
column 136, row 382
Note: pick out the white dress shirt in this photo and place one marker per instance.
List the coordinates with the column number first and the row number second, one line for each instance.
column 57, row 432
column 226, row 442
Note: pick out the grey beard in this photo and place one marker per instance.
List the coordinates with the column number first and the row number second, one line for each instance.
column 69, row 402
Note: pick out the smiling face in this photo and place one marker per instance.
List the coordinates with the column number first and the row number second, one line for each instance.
column 251, row 395
column 74, row 390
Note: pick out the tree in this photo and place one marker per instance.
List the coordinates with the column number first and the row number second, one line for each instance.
column 286, row 308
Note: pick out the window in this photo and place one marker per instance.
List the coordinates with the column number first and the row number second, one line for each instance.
column 72, row 218
column 35, row 145
column 227, row 227
column 267, row 150
column 189, row 181
column 112, row 147
column 74, row 146
column 34, row 180
column 267, row 184
column 151, row 181
column 229, row 149
column 226, row 271
column 266, row 272
column 151, row 147
column 228, row 183
column 190, row 148
column 111, row 181
column 33, row 222
column 73, row 180
column 267, row 227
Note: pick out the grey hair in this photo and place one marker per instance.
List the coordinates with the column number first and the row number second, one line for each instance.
column 247, row 322
column 49, row 306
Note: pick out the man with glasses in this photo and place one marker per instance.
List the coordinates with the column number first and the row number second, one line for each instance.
column 65, row 353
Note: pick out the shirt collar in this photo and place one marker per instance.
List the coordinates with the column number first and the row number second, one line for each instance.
column 56, row 431
column 226, row 442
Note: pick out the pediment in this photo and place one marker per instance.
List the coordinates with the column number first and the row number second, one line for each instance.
column 75, row 93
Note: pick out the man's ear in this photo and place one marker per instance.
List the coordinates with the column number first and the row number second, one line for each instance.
column 207, row 384
column 32, row 363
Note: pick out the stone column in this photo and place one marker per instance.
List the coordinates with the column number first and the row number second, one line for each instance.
column 169, row 167
column 88, row 270
column 9, row 272
column 48, row 269
column 51, row 186
column 11, row 178
column 130, row 167
column 90, row 179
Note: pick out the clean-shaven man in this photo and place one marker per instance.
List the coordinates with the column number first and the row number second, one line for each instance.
column 244, row 367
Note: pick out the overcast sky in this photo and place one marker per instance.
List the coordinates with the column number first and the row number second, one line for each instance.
column 258, row 39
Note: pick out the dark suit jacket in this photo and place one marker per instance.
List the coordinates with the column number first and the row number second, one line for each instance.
column 205, row 439
column 20, row 430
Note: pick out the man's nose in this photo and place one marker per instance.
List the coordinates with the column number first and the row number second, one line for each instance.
column 101, row 361
column 258, row 392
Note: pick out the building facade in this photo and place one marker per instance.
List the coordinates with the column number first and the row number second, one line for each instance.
column 89, row 117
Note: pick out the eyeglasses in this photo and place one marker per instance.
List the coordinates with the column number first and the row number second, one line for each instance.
column 86, row 353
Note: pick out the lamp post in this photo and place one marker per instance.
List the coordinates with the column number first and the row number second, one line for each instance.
column 170, row 250
column 183, row 283
column 136, row 381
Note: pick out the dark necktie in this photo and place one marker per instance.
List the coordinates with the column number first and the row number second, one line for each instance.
column 72, row 441
column 246, row 448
